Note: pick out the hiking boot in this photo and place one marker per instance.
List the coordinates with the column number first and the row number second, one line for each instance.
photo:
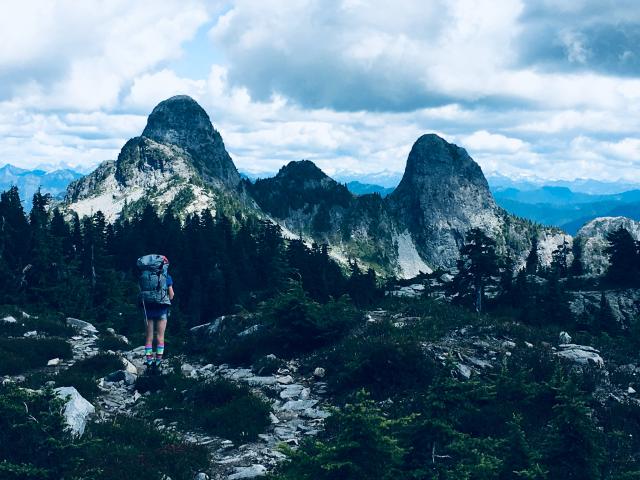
column 152, row 368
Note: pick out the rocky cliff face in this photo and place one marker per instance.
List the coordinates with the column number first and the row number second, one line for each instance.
column 442, row 194
column 593, row 237
column 179, row 161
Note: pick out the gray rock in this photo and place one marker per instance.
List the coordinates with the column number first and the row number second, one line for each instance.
column 253, row 471
column 53, row 362
column 129, row 367
column 285, row 380
column 319, row 372
column 249, row 331
column 8, row 319
column 81, row 325
column 564, row 337
column 32, row 333
column 581, row 354
column 201, row 476
column 121, row 376
column 77, row 409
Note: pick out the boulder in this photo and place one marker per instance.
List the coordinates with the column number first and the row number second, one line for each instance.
column 581, row 354
column 81, row 325
column 564, row 337
column 129, row 367
column 253, row 471
column 77, row 409
column 319, row 372
column 53, row 362
column 9, row 319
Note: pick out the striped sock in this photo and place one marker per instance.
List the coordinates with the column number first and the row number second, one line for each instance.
column 148, row 352
column 159, row 353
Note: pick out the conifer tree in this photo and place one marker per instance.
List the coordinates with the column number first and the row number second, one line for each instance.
column 623, row 258
column 477, row 265
column 532, row 263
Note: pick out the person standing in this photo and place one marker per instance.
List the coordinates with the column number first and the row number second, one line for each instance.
column 156, row 293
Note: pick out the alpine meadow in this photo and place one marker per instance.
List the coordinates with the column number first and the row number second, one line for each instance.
column 320, row 240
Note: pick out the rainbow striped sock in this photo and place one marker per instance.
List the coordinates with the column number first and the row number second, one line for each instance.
column 159, row 353
column 148, row 352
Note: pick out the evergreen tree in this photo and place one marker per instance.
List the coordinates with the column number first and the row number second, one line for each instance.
column 532, row 263
column 560, row 260
column 623, row 258
column 575, row 270
column 477, row 265
column 573, row 446
column 605, row 320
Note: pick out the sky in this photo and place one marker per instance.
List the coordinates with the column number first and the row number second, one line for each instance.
column 539, row 88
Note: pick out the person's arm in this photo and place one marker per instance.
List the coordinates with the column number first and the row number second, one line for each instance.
column 170, row 290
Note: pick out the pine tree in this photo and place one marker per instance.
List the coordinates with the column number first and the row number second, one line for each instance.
column 477, row 265
column 532, row 263
column 623, row 258
column 573, row 447
column 560, row 260
column 575, row 270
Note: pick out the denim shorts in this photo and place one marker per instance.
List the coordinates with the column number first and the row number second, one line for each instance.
column 156, row 318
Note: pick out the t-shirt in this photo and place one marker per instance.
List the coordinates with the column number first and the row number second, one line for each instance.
column 156, row 310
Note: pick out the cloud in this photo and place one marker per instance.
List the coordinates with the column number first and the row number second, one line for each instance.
column 528, row 87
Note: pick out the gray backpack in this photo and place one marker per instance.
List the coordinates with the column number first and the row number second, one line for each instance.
column 153, row 279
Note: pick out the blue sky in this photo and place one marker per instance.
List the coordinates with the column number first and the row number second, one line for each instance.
column 530, row 88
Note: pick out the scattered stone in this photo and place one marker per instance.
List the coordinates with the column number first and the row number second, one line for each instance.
column 508, row 344
column 81, row 325
column 77, row 409
column 564, row 337
column 528, row 344
column 249, row 331
column 53, row 362
column 319, row 372
column 286, row 380
column 275, row 420
column 201, row 476
column 253, row 471
column 32, row 333
column 464, row 370
column 129, row 367
column 210, row 328
column 9, row 319
column 631, row 390
column 121, row 376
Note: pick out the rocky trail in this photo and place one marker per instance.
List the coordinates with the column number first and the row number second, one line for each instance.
column 298, row 406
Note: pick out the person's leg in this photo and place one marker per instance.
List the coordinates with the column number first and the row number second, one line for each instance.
column 160, row 328
column 148, row 344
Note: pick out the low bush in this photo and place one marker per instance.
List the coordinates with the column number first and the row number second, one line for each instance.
column 21, row 354
column 381, row 359
column 35, row 445
column 83, row 374
column 219, row 407
column 107, row 341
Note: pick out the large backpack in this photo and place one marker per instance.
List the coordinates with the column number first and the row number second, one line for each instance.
column 153, row 279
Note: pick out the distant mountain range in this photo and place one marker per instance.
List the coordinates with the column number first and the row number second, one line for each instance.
column 28, row 181
column 565, row 204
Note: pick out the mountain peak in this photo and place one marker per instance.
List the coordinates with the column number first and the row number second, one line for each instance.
column 182, row 122
column 303, row 170
column 178, row 120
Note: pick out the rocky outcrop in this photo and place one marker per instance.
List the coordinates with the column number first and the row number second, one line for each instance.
column 77, row 409
column 593, row 238
column 624, row 304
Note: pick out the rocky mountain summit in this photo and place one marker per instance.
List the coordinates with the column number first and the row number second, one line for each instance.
column 178, row 162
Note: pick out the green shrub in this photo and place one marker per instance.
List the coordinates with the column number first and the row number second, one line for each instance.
column 131, row 448
column 382, row 359
column 35, row 445
column 21, row 354
column 219, row 407
column 107, row 341
column 83, row 374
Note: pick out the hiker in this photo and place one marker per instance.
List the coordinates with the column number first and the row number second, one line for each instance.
column 156, row 293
